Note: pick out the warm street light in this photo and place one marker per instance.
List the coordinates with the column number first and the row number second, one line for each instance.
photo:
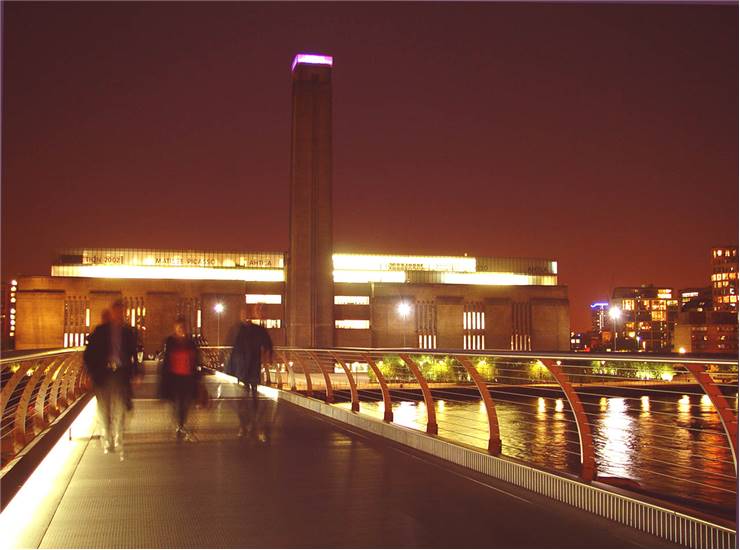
column 218, row 308
column 404, row 310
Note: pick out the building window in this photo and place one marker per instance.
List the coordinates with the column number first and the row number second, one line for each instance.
column 426, row 324
column 352, row 324
column 474, row 325
column 351, row 300
column 264, row 298
column 268, row 323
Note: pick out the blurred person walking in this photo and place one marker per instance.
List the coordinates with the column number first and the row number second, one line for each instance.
column 251, row 345
column 179, row 374
column 111, row 361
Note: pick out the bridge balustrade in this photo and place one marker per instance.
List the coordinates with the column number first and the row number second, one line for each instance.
column 35, row 389
column 664, row 426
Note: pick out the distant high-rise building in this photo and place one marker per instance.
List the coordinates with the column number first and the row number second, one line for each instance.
column 580, row 341
column 696, row 299
column 646, row 318
column 724, row 278
column 310, row 288
column 599, row 317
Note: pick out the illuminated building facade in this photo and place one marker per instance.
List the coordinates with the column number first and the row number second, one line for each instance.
column 647, row 315
column 311, row 297
column 724, row 278
column 599, row 317
column 453, row 301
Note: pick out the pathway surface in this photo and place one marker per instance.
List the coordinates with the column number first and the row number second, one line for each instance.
column 311, row 483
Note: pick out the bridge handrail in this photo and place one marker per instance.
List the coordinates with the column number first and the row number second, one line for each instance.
column 36, row 388
column 501, row 377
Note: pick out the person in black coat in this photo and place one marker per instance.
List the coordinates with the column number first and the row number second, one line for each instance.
column 179, row 374
column 251, row 343
column 111, row 361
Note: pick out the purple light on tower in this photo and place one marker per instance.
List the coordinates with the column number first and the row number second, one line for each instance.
column 312, row 59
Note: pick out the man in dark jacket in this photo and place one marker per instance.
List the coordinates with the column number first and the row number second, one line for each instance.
column 111, row 361
column 251, row 344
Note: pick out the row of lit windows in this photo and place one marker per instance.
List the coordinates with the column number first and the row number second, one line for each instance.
column 263, row 298
column 720, row 252
column 723, row 284
column 268, row 323
column 351, row 300
column 474, row 320
column 74, row 340
column 352, row 324
column 474, row 341
column 724, row 276
column 427, row 341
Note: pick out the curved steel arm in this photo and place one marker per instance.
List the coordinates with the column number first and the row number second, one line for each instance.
column 20, row 433
column 387, row 403
column 289, row 367
column 309, row 386
column 352, row 384
column 728, row 418
column 327, row 379
column 585, row 439
column 432, row 427
column 57, row 400
column 494, row 438
column 42, row 411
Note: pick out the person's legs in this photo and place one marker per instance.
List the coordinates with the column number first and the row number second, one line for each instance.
column 184, row 399
column 117, row 410
column 102, row 396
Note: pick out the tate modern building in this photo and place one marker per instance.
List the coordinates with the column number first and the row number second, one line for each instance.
column 310, row 296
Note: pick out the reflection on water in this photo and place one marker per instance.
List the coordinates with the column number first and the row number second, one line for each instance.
column 672, row 445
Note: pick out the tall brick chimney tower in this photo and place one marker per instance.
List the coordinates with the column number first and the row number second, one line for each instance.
column 310, row 291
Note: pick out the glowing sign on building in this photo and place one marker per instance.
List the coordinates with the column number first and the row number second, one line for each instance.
column 378, row 262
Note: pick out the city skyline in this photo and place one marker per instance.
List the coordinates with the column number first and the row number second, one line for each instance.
column 443, row 160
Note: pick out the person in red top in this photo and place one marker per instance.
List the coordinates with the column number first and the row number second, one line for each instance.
column 179, row 374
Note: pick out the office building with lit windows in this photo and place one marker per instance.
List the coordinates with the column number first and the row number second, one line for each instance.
column 425, row 302
column 310, row 296
column 708, row 323
column 645, row 318
column 599, row 317
column 724, row 278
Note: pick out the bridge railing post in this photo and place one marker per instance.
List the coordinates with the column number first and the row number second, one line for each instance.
column 387, row 402
column 725, row 412
column 350, row 379
column 432, row 427
column 494, row 438
column 585, row 437
column 327, row 378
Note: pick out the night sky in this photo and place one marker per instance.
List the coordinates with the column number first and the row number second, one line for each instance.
column 605, row 137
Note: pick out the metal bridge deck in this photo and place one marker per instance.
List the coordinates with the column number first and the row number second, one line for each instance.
column 312, row 484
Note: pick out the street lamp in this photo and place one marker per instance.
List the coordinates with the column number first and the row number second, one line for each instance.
column 615, row 313
column 218, row 308
column 404, row 310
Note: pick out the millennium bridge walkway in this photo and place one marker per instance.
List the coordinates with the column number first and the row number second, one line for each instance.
column 381, row 448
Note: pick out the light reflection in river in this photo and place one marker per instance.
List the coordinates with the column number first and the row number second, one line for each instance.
column 672, row 445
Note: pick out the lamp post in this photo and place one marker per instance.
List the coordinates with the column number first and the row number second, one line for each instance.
column 615, row 313
column 404, row 310
column 218, row 308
